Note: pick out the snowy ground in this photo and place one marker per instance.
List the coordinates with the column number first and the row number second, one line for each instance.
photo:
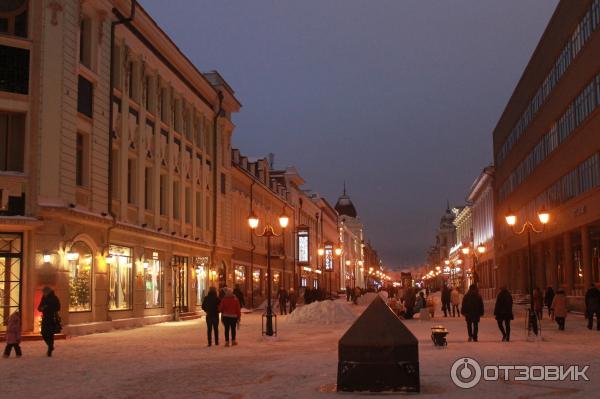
column 172, row 360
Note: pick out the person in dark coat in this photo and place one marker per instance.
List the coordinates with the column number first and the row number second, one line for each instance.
column 49, row 306
column 282, row 296
column 472, row 309
column 210, row 305
column 348, row 293
column 548, row 299
column 409, row 303
column 504, row 312
column 445, row 300
column 239, row 295
column 293, row 299
column 592, row 306
column 538, row 303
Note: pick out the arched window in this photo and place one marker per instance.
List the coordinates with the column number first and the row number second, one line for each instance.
column 80, row 260
column 13, row 17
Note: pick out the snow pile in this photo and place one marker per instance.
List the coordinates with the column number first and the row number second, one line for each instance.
column 324, row 312
column 367, row 298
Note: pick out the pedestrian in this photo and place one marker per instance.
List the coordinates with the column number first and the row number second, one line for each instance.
column 503, row 311
column 292, row 299
column 282, row 295
column 239, row 295
column 210, row 305
column 231, row 315
column 51, row 323
column 559, row 308
column 538, row 303
column 348, row 293
column 420, row 302
column 455, row 300
column 13, row 334
column 223, row 291
column 430, row 304
column 472, row 309
column 409, row 303
column 446, row 298
column 592, row 306
column 357, row 294
column 548, row 299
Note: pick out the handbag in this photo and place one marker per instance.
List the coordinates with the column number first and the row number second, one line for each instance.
column 57, row 324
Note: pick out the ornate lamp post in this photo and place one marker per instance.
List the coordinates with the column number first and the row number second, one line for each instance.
column 528, row 227
column 328, row 251
column 268, row 233
column 469, row 250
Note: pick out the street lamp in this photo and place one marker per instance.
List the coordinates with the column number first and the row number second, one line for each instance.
column 329, row 252
column 268, row 233
column 528, row 227
column 475, row 253
column 284, row 220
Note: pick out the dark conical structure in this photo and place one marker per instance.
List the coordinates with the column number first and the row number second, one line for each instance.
column 344, row 205
column 378, row 353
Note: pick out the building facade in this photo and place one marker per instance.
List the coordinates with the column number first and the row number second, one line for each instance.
column 547, row 155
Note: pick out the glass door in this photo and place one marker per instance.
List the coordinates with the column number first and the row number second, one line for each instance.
column 10, row 276
column 180, row 283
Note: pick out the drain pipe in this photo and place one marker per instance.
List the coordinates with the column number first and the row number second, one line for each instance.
column 113, row 25
column 252, row 246
column 215, row 180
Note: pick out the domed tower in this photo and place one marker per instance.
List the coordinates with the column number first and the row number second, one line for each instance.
column 344, row 205
column 446, row 232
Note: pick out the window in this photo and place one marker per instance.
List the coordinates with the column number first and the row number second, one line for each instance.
column 81, row 160
column 154, row 282
column 14, row 70
column 207, row 214
column 80, row 261
column 131, row 171
column 130, row 80
column 85, row 42
column 201, row 273
column 223, row 183
column 163, row 195
column 176, row 200
column 148, row 195
column 120, row 265
column 12, row 142
column 115, row 174
column 199, row 210
column 85, row 97
column 188, row 205
column 13, row 18
column 146, row 93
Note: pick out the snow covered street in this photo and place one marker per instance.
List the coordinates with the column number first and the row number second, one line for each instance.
column 171, row 359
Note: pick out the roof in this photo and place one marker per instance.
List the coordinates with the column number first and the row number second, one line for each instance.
column 344, row 205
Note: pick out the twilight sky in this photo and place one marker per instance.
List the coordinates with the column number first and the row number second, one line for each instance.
column 397, row 97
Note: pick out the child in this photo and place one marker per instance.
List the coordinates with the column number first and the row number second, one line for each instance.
column 13, row 334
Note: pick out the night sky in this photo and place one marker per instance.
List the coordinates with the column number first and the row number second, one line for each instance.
column 398, row 98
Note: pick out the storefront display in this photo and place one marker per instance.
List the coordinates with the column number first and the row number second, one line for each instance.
column 120, row 271
column 154, row 281
column 80, row 262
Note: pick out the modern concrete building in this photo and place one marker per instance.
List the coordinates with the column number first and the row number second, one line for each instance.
column 547, row 154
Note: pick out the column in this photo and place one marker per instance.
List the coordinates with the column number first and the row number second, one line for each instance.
column 568, row 262
column 587, row 258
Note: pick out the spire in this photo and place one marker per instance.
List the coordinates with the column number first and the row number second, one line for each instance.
column 344, row 188
column 447, row 204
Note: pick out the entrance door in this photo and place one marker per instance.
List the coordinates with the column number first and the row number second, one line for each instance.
column 10, row 276
column 180, row 283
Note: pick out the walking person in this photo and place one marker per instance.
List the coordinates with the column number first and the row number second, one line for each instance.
column 538, row 303
column 559, row 308
column 446, row 299
column 231, row 315
column 455, row 300
column 293, row 299
column 503, row 311
column 592, row 306
column 49, row 306
column 472, row 309
column 348, row 294
column 282, row 296
column 239, row 295
column 210, row 305
column 13, row 334
column 548, row 299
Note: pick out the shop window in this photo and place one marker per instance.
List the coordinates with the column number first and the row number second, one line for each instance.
column 80, row 260
column 12, row 142
column 256, row 279
column 303, row 282
column 11, row 255
column 176, row 200
column 188, row 205
column 154, row 282
column 240, row 276
column 85, row 42
column 163, row 195
column 13, row 18
column 85, row 97
column 120, row 270
column 199, row 209
column 201, row 278
column 14, row 70
column 303, row 245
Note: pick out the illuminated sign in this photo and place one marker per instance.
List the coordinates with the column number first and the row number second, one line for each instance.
column 303, row 247
column 328, row 257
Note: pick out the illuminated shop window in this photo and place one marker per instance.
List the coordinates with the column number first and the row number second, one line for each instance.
column 120, row 270
column 256, row 286
column 201, row 274
column 303, row 282
column 154, row 282
column 80, row 262
column 303, row 245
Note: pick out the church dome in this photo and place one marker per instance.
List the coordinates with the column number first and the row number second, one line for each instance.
column 344, row 205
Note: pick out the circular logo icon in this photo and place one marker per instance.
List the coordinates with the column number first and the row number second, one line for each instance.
column 465, row 372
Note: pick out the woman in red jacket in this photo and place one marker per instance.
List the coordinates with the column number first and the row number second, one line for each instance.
column 230, row 315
